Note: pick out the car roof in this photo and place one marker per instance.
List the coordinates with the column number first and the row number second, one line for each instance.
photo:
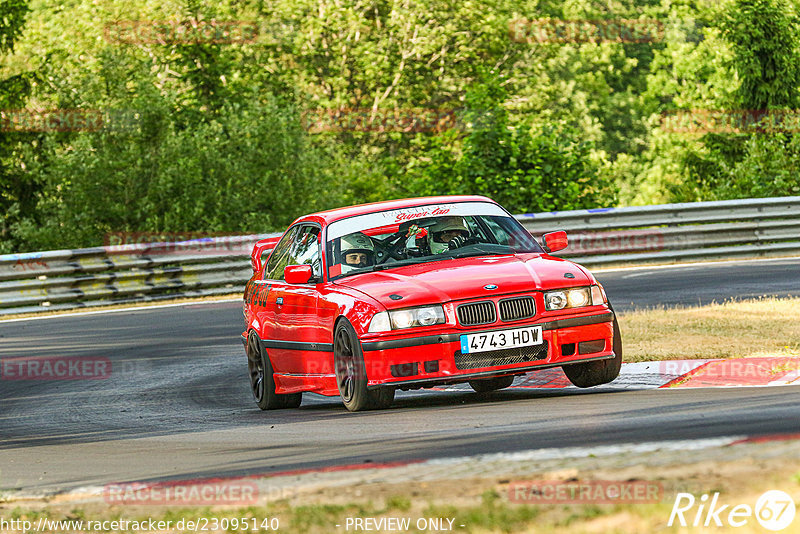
column 327, row 217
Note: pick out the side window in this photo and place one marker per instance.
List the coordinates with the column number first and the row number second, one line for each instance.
column 305, row 249
column 300, row 247
column 280, row 256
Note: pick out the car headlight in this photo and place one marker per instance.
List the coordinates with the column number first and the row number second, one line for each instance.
column 402, row 318
column 407, row 318
column 574, row 298
column 380, row 322
column 598, row 295
column 555, row 300
column 578, row 298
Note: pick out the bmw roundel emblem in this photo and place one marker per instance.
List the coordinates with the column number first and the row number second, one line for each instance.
column 490, row 287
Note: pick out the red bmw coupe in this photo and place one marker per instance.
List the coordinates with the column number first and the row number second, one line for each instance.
column 417, row 293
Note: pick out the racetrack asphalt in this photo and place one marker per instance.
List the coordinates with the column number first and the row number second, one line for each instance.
column 700, row 283
column 177, row 403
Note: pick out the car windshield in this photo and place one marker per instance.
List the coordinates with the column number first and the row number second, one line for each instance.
column 400, row 237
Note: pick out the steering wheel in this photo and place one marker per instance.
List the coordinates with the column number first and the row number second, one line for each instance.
column 462, row 241
column 392, row 251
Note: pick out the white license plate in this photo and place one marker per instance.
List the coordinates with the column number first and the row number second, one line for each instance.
column 501, row 339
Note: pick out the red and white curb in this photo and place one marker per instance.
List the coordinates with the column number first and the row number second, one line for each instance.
column 737, row 372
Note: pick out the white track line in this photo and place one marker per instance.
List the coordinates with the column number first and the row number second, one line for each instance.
column 709, row 263
column 565, row 453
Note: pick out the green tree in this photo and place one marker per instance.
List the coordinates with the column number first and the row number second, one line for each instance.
column 556, row 124
column 765, row 40
column 17, row 190
column 248, row 169
column 523, row 168
column 764, row 37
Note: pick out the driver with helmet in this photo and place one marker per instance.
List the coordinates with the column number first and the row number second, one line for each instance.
column 358, row 252
column 447, row 233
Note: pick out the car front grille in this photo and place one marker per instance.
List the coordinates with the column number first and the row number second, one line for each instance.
column 500, row 357
column 476, row 313
column 517, row 308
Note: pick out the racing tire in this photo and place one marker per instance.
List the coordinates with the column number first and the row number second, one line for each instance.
column 485, row 385
column 351, row 375
column 586, row 375
column 262, row 381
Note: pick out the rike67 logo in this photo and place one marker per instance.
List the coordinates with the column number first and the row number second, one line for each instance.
column 774, row 510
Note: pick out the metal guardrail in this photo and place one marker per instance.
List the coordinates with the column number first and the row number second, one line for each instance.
column 675, row 232
column 64, row 279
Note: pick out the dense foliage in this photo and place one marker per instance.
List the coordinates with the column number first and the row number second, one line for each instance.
column 210, row 132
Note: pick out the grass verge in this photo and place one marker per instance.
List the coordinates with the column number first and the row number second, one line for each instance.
column 736, row 329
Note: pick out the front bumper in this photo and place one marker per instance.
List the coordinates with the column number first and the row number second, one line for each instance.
column 432, row 359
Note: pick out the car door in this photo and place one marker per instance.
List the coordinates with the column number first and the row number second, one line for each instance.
column 262, row 297
column 294, row 347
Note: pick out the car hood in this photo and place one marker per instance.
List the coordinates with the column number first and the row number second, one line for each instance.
column 466, row 278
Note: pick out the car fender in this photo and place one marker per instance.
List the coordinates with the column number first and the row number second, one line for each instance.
column 354, row 305
column 585, row 271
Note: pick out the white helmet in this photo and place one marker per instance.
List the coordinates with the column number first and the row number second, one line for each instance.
column 443, row 231
column 358, row 251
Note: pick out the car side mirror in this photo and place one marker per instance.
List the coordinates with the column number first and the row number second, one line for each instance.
column 262, row 246
column 297, row 274
column 555, row 241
